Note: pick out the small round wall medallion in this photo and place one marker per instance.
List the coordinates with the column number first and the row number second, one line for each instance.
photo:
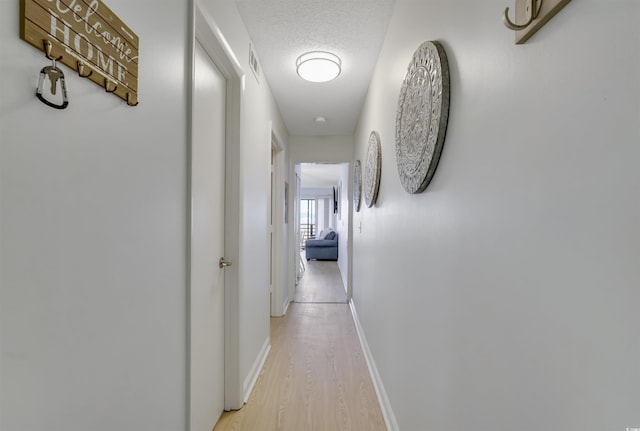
column 357, row 184
column 372, row 168
column 421, row 120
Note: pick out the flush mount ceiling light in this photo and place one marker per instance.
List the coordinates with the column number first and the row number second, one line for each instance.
column 318, row 66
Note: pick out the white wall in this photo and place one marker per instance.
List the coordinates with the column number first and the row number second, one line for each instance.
column 92, row 238
column 506, row 295
column 260, row 118
column 324, row 210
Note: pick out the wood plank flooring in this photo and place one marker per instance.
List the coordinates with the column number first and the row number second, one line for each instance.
column 321, row 282
column 315, row 377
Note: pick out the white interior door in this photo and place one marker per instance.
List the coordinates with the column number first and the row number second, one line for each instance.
column 207, row 244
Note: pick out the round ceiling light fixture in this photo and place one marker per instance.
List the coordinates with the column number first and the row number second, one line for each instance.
column 318, row 66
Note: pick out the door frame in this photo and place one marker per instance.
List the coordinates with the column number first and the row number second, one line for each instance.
column 208, row 34
column 279, row 251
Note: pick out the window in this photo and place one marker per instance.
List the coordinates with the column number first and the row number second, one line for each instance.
column 308, row 219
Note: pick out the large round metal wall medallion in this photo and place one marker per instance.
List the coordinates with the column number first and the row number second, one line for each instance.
column 357, row 185
column 372, row 168
column 421, row 120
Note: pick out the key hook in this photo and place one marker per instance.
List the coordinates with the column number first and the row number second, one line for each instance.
column 532, row 10
column 47, row 51
column 106, row 86
column 55, row 75
column 129, row 101
column 81, row 70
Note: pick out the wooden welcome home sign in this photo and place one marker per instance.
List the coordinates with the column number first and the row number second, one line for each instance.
column 89, row 38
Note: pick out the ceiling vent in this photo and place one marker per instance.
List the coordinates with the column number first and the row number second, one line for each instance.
column 253, row 63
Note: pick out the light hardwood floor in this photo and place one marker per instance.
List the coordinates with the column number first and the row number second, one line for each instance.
column 321, row 282
column 315, row 378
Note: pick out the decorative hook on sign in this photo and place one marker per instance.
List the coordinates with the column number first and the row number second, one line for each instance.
column 106, row 86
column 47, row 45
column 81, row 70
column 129, row 102
column 532, row 10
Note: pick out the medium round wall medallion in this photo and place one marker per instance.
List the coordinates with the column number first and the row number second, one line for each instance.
column 421, row 121
column 372, row 168
column 357, row 184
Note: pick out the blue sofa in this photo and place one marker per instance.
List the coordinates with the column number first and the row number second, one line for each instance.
column 322, row 248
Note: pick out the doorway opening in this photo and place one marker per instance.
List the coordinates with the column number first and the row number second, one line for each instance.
column 322, row 228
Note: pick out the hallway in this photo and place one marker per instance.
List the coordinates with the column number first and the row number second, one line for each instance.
column 504, row 296
column 315, row 377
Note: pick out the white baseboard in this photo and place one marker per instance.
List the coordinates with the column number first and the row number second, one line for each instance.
column 383, row 399
column 252, row 378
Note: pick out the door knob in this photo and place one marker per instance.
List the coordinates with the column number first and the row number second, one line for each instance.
column 223, row 263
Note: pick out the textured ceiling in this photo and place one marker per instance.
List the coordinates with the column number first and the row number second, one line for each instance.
column 281, row 30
